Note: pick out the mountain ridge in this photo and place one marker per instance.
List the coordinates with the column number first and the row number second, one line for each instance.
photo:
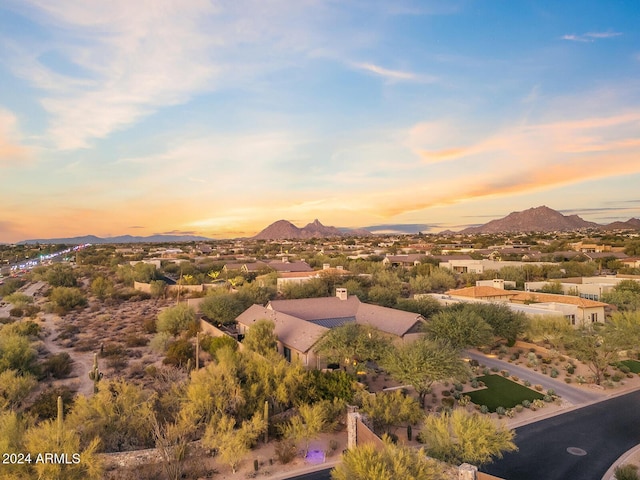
column 284, row 229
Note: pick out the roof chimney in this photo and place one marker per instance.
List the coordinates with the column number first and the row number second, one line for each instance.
column 341, row 293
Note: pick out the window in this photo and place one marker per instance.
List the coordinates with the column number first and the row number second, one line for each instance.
column 594, row 317
column 287, row 354
column 572, row 319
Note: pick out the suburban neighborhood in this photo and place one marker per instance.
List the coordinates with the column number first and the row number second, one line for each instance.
column 284, row 356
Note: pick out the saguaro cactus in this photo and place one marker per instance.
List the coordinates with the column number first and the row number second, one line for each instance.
column 60, row 419
column 95, row 374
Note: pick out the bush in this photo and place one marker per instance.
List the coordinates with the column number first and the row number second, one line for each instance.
column 458, row 387
column 132, row 340
column 484, row 409
column 179, row 353
column 571, row 369
column 567, row 380
column 551, row 392
column 526, row 404
column 46, row 404
column 538, row 388
column 548, row 398
column 446, row 393
column 554, row 373
column 16, row 312
column 149, row 325
column 58, row 365
column 527, row 383
column 627, row 472
column 501, row 411
column 617, row 377
column 285, row 451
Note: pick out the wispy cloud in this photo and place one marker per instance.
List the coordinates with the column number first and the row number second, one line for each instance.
column 392, row 75
column 590, row 37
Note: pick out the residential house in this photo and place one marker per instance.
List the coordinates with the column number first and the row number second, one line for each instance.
column 299, row 324
column 406, row 260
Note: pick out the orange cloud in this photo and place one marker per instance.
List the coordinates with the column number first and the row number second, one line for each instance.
column 442, row 155
column 11, row 152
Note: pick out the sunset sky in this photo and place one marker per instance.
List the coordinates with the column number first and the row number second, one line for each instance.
column 218, row 118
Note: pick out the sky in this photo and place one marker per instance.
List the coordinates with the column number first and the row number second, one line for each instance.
column 217, row 118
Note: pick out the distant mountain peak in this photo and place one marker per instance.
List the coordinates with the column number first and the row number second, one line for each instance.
column 283, row 229
column 536, row 219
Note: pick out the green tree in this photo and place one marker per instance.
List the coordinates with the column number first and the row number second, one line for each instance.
column 462, row 437
column 367, row 462
column 260, row 338
column 546, row 328
column 14, row 389
column 625, row 295
column 352, row 343
column 222, row 309
column 16, row 353
column 461, row 329
column 505, row 322
column 426, row 306
column 214, row 390
column 48, row 436
column 120, row 414
column 391, row 409
column 61, row 275
column 307, row 424
column 67, row 298
column 102, row 287
column 423, row 362
column 176, row 319
column 157, row 288
column 597, row 346
column 233, row 443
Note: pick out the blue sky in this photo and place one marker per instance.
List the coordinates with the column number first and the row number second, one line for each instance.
column 218, row 118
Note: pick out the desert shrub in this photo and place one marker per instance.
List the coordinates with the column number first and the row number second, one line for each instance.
column 58, row 365
column 117, row 362
column 45, row 405
column 616, row 377
column 484, row 409
column 133, row 340
column 474, row 383
column 548, row 398
column 112, row 350
column 527, row 383
column 538, row 387
column 567, row 380
column 160, row 342
column 501, row 411
column 627, row 472
column 285, row 450
column 458, row 387
column 571, row 369
column 519, row 408
column 554, row 373
column 179, row 353
column 526, row 403
column 624, row 369
column 149, row 325
column 538, row 403
column 215, row 344
column 16, row 312
column 448, row 402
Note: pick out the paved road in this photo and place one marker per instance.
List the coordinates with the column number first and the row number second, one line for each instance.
column 573, row 395
column 600, row 432
column 319, row 475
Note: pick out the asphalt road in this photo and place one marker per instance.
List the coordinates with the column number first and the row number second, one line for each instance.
column 578, row 445
column 319, row 475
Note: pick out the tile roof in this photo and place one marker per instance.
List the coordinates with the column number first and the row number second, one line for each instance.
column 481, row 292
column 555, row 298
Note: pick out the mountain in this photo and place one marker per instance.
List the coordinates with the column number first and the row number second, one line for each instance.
column 283, row 229
column 631, row 224
column 120, row 239
column 539, row 219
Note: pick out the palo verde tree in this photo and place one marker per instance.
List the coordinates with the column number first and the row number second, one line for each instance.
column 366, row 462
column 390, row 409
column 260, row 338
column 423, row 362
column 596, row 345
column 459, row 436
